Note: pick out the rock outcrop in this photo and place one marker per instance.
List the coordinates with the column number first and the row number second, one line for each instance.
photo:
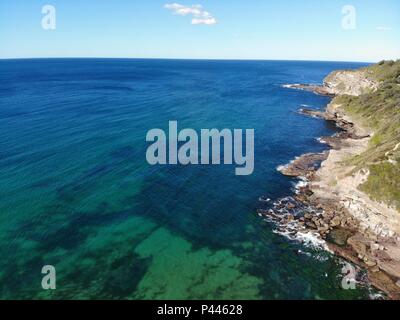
column 344, row 82
column 353, row 83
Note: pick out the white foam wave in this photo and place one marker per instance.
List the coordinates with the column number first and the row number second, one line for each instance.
column 284, row 166
column 281, row 167
column 302, row 183
column 290, row 86
column 309, row 239
column 321, row 140
column 312, row 239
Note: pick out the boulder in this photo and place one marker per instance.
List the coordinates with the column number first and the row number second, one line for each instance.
column 335, row 221
column 359, row 243
column 311, row 225
column 374, row 247
column 375, row 269
column 369, row 263
column 389, row 261
column 339, row 236
column 307, row 216
column 291, row 206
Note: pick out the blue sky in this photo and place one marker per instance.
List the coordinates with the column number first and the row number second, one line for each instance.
column 236, row 29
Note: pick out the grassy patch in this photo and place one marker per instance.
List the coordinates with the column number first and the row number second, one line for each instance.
column 384, row 70
column 384, row 183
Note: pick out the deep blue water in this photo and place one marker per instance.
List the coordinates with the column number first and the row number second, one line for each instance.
column 76, row 191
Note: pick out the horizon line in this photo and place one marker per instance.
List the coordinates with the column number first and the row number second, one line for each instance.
column 189, row 59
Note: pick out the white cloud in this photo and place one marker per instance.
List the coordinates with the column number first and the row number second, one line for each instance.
column 206, row 21
column 381, row 28
column 199, row 15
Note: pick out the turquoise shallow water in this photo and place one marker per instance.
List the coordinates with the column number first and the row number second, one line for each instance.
column 77, row 193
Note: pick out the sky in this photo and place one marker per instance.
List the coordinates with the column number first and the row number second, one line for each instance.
column 203, row 29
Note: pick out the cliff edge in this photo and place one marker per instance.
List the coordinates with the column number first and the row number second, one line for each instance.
column 357, row 186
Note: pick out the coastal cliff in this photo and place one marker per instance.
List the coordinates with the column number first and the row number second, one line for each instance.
column 356, row 188
column 353, row 83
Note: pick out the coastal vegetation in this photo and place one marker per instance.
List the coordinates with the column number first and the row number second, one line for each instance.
column 379, row 110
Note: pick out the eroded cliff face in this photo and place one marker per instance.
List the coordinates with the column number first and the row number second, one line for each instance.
column 353, row 83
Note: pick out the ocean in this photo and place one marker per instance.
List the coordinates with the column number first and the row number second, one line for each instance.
column 77, row 193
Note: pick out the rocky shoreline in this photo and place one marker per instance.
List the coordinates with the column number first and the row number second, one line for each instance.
column 329, row 203
column 318, row 89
